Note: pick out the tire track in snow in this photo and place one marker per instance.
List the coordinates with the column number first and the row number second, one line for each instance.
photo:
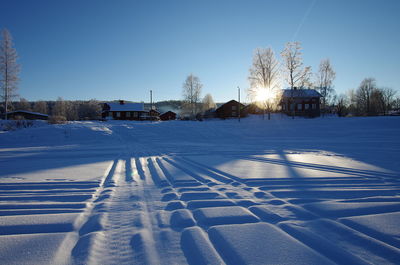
column 112, row 244
column 73, row 242
column 280, row 212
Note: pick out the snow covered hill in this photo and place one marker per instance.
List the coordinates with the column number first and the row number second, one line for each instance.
column 302, row 191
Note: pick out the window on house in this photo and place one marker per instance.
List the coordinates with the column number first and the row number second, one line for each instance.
column 314, row 106
column 299, row 106
column 128, row 114
column 135, row 114
column 110, row 114
column 306, row 106
column 233, row 107
column 118, row 114
column 233, row 113
column 291, row 106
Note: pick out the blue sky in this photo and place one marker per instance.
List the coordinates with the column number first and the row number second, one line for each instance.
column 121, row 49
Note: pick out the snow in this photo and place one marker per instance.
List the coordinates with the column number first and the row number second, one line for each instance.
column 28, row 112
column 300, row 93
column 279, row 191
column 115, row 106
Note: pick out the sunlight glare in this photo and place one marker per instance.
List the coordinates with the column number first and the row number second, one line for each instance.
column 264, row 94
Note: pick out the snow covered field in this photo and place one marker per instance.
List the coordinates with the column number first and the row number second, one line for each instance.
column 303, row 191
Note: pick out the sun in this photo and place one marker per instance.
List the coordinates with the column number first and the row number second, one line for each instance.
column 264, row 94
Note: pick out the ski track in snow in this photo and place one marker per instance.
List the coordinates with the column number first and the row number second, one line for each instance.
column 154, row 207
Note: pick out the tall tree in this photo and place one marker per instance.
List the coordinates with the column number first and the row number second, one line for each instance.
column 324, row 82
column 24, row 104
column 264, row 78
column 191, row 93
column 9, row 69
column 388, row 97
column 364, row 94
column 90, row 110
column 60, row 108
column 40, row 107
column 296, row 75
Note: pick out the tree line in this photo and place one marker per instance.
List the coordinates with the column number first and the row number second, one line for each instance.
column 266, row 76
column 367, row 100
column 64, row 109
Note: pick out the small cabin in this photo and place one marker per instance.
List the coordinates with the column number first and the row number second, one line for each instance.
column 230, row 109
column 25, row 115
column 167, row 116
column 301, row 102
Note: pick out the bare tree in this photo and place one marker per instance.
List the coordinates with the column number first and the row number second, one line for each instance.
column 60, row 108
column 208, row 103
column 364, row 95
column 24, row 104
column 324, row 82
column 71, row 110
column 264, row 78
column 295, row 75
column 9, row 69
column 90, row 110
column 342, row 105
column 388, row 97
column 40, row 107
column 191, row 93
column 396, row 103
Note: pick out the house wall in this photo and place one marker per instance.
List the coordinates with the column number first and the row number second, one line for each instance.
column 168, row 116
column 302, row 106
column 230, row 110
column 124, row 115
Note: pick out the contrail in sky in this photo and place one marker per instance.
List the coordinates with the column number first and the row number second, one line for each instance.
column 303, row 20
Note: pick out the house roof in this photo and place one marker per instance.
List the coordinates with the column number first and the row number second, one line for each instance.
column 116, row 106
column 28, row 112
column 301, row 93
column 230, row 101
column 167, row 112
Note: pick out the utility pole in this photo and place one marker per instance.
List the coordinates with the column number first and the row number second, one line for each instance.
column 151, row 105
column 239, row 103
column 151, row 99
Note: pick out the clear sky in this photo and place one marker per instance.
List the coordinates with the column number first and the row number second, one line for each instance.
column 121, row 49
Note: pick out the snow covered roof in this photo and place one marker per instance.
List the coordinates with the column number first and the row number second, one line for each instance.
column 301, row 93
column 116, row 106
column 27, row 112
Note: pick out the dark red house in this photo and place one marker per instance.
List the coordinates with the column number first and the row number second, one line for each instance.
column 301, row 102
column 230, row 110
column 122, row 110
column 169, row 115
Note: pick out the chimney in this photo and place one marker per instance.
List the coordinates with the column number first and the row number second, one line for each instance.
column 121, row 102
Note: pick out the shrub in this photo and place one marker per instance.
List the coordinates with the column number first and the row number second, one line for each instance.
column 57, row 119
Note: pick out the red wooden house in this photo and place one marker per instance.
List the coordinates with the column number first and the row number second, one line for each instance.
column 230, row 110
column 169, row 115
column 122, row 110
column 301, row 102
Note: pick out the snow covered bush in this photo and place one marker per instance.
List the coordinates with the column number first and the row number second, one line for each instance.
column 57, row 119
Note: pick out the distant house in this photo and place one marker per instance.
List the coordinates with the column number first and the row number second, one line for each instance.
column 230, row 110
column 169, row 115
column 301, row 102
column 122, row 110
column 25, row 115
